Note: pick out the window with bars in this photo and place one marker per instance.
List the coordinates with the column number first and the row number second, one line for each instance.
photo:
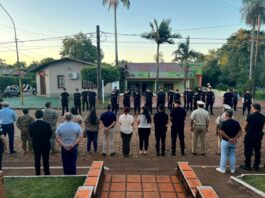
column 60, row 81
column 88, row 84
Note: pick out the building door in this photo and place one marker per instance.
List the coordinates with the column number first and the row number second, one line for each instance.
column 42, row 83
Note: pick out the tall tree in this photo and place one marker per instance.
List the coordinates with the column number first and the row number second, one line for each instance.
column 114, row 4
column 161, row 34
column 185, row 55
column 251, row 11
column 80, row 47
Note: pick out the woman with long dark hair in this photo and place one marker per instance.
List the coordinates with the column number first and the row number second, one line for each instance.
column 144, row 121
column 91, row 130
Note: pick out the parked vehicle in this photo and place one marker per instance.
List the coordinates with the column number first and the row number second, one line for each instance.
column 11, row 90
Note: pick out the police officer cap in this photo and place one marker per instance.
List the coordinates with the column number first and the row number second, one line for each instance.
column 200, row 102
column 227, row 107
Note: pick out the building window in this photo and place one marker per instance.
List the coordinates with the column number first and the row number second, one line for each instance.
column 88, row 84
column 60, row 81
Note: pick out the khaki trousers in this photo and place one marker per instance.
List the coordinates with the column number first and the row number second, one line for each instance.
column 198, row 133
column 219, row 144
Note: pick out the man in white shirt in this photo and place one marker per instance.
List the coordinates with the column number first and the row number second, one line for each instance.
column 199, row 127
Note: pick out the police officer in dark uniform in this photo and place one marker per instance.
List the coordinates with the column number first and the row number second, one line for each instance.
column 196, row 98
column 85, row 99
column 235, row 99
column 185, row 94
column 161, row 98
column 170, row 98
column 126, row 99
column 209, row 99
column 203, row 93
column 114, row 102
column 228, row 98
column 247, row 101
column 77, row 100
column 177, row 96
column 137, row 101
column 64, row 101
column 117, row 92
column 92, row 100
column 148, row 99
column 190, row 94
column 200, row 92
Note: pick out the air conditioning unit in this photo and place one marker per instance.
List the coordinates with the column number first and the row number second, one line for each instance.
column 73, row 75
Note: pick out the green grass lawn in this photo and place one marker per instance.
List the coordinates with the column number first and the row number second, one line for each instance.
column 257, row 181
column 40, row 187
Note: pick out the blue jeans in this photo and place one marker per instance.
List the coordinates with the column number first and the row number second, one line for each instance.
column 9, row 129
column 69, row 159
column 92, row 136
column 228, row 149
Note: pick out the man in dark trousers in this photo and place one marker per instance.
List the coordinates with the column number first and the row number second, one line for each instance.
column 64, row 97
column 114, row 102
column 196, row 98
column 185, row 94
column 177, row 96
column 161, row 98
column 170, row 98
column 126, row 99
column 137, row 101
column 161, row 121
column 77, row 100
column 253, row 126
column 41, row 134
column 148, row 99
column 209, row 99
column 189, row 99
column 92, row 100
column 85, row 99
column 228, row 98
column 235, row 99
column 247, row 101
column 177, row 117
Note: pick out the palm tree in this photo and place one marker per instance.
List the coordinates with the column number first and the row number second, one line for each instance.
column 114, row 4
column 184, row 54
column 251, row 11
column 160, row 33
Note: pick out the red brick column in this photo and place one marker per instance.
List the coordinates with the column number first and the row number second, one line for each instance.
column 2, row 194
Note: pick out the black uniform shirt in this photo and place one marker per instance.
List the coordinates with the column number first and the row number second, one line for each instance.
column 92, row 96
column 148, row 97
column 84, row 95
column 190, row 95
column 230, row 128
column 170, row 96
column 161, row 97
column 161, row 120
column 64, row 97
column 77, row 97
column 177, row 96
column 126, row 97
column 228, row 98
column 178, row 116
column 114, row 99
column 209, row 96
column 247, row 98
column 255, row 124
column 137, row 97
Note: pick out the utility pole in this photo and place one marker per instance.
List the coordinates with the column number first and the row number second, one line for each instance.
column 256, row 61
column 18, row 66
column 99, row 66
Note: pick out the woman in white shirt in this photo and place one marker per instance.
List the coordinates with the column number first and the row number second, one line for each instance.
column 126, row 127
column 144, row 129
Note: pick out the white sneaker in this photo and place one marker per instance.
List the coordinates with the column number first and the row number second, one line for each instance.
column 220, row 170
column 145, row 152
column 140, row 152
column 232, row 171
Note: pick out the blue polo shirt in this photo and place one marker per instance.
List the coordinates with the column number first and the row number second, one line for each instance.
column 69, row 132
column 7, row 116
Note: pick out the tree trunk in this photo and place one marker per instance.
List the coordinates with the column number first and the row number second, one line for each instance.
column 256, row 60
column 157, row 68
column 116, row 36
column 252, row 52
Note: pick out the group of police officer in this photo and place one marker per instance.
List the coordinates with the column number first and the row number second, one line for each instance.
column 87, row 98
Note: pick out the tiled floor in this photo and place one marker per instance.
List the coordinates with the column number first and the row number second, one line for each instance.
column 142, row 186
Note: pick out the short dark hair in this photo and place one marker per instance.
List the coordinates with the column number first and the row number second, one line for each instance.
column 229, row 113
column 126, row 110
column 25, row 111
column 177, row 101
column 48, row 104
column 256, row 106
column 73, row 110
column 76, row 89
column 109, row 107
column 39, row 114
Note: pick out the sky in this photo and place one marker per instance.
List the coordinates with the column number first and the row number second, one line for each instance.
column 208, row 23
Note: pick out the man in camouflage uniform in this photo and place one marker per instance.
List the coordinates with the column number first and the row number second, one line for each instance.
column 50, row 116
column 23, row 123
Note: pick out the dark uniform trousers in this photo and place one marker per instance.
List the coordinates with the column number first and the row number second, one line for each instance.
column 160, row 135
column 209, row 104
column 246, row 106
column 177, row 131
column 69, row 159
column 10, row 131
column 137, row 107
column 64, row 107
column 149, row 106
column 126, row 140
column 85, row 103
column 45, row 158
column 252, row 143
column 189, row 105
column 78, row 106
column 235, row 104
column 92, row 104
